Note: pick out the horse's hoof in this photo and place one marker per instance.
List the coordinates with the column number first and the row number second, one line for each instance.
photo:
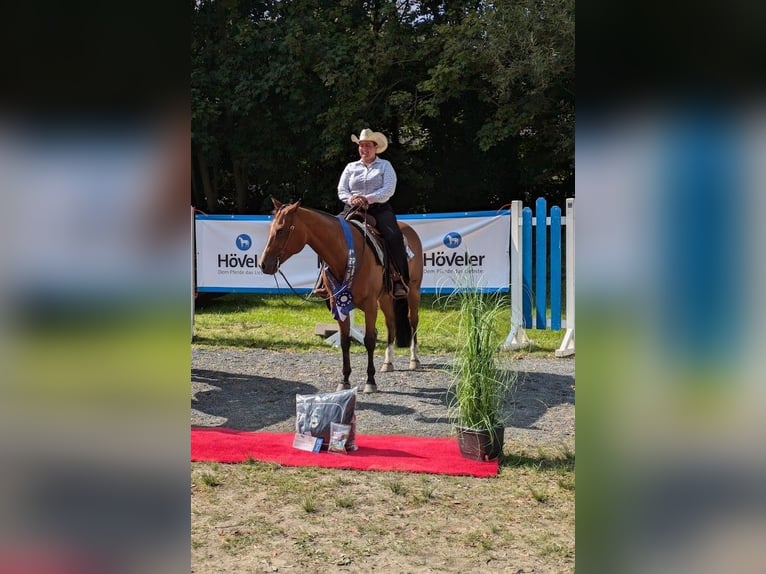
column 342, row 387
column 414, row 365
column 370, row 388
column 386, row 367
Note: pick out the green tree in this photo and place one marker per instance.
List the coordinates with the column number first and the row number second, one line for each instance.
column 505, row 78
column 476, row 97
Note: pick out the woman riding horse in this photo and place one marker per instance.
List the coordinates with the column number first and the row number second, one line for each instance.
column 368, row 184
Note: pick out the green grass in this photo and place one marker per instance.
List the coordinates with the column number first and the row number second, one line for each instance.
column 523, row 514
column 344, row 502
column 539, row 494
column 396, row 486
column 287, row 322
column 427, row 492
column 210, row 479
column 309, row 504
column 561, row 462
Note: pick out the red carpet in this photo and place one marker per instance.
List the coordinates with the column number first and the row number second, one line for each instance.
column 376, row 452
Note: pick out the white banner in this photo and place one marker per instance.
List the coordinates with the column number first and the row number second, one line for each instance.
column 459, row 249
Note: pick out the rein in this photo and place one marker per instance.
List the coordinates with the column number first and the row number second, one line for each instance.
column 307, row 298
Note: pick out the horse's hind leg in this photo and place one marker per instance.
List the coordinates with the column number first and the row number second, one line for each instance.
column 388, row 312
column 413, row 301
column 414, row 359
column 388, row 359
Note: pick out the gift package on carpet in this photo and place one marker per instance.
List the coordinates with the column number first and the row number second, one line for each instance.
column 330, row 417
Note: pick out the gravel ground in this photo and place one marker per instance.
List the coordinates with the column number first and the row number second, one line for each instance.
column 255, row 389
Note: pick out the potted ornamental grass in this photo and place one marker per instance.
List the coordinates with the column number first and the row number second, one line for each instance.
column 479, row 384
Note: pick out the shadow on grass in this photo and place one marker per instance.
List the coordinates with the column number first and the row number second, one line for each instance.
column 228, row 302
column 560, row 461
column 248, row 342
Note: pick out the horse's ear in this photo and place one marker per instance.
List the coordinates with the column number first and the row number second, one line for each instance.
column 276, row 203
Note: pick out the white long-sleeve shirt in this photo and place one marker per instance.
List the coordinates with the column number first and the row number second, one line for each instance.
column 376, row 182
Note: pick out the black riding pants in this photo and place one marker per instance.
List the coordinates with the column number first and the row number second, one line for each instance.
column 392, row 235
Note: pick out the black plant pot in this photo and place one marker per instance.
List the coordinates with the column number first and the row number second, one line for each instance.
column 481, row 444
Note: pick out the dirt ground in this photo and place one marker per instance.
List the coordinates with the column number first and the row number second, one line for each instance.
column 261, row 517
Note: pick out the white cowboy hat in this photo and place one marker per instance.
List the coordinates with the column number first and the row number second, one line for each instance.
column 367, row 135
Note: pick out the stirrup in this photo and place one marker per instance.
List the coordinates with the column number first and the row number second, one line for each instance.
column 400, row 290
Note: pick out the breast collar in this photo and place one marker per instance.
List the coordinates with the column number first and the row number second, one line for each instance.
column 342, row 301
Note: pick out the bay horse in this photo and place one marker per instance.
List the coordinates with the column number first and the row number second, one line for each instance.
column 294, row 227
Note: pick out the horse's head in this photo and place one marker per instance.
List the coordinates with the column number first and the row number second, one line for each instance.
column 283, row 241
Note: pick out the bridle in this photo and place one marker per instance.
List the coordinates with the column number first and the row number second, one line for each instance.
column 287, row 238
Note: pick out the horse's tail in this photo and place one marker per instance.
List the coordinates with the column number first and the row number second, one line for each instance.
column 402, row 319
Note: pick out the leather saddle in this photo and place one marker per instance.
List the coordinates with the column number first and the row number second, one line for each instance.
column 368, row 225
column 363, row 217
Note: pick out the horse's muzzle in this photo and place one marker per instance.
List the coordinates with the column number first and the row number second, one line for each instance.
column 270, row 265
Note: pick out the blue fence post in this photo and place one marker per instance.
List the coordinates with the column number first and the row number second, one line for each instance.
column 555, row 268
column 547, row 269
column 541, row 292
column 526, row 274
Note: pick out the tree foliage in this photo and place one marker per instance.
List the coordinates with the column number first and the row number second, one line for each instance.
column 476, row 97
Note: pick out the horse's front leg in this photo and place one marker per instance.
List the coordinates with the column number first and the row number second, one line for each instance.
column 344, row 328
column 370, row 336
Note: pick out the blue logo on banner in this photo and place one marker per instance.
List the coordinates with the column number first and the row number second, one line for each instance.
column 453, row 240
column 244, row 242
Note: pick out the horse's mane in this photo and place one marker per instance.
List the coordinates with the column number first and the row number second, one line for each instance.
column 320, row 212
